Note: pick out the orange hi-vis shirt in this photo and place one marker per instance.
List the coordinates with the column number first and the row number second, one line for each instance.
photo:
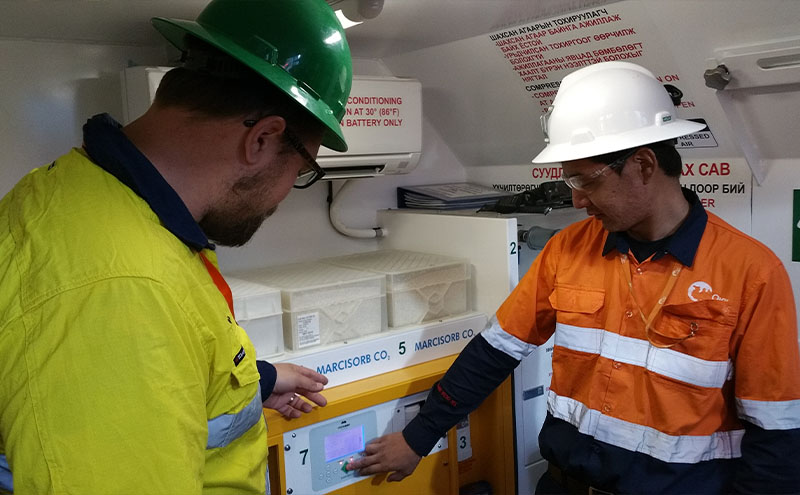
column 682, row 404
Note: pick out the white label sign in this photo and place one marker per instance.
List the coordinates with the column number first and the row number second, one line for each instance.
column 308, row 329
column 381, row 114
column 346, row 362
column 463, row 440
column 700, row 139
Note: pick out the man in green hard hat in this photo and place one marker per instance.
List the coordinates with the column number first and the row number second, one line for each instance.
column 123, row 369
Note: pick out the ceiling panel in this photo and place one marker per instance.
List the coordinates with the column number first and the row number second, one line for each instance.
column 402, row 26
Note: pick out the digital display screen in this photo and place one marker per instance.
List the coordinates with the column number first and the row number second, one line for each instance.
column 344, row 443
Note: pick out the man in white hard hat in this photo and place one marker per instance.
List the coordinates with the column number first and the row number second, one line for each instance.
column 676, row 366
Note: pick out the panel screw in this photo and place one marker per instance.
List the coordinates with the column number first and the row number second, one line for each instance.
column 287, row 448
column 289, row 491
column 718, row 77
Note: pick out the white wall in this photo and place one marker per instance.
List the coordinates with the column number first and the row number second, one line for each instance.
column 772, row 214
column 48, row 91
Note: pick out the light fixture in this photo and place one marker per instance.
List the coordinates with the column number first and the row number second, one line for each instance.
column 354, row 12
column 346, row 23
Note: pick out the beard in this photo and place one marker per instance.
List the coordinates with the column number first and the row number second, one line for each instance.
column 234, row 223
column 225, row 229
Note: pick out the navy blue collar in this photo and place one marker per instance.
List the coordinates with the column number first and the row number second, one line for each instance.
column 682, row 244
column 108, row 147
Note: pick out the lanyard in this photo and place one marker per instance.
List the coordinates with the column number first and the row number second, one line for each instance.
column 648, row 321
column 219, row 281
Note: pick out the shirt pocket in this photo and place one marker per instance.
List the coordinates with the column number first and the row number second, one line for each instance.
column 578, row 306
column 244, row 370
column 236, row 377
column 712, row 321
column 239, row 406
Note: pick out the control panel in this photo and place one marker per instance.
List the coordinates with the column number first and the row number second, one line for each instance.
column 336, row 443
column 316, row 456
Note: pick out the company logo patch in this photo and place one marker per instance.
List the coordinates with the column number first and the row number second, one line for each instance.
column 701, row 291
column 239, row 356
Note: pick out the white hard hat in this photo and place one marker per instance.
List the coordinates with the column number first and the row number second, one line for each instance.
column 606, row 107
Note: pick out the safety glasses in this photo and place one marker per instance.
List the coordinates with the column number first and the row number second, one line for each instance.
column 581, row 182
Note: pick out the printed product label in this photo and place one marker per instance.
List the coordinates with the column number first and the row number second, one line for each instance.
column 308, row 329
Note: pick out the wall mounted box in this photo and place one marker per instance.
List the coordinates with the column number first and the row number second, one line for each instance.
column 420, row 287
column 257, row 309
column 324, row 304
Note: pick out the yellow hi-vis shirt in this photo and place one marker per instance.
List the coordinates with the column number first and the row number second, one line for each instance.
column 122, row 370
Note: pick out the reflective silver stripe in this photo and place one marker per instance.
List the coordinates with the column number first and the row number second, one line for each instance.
column 504, row 341
column 666, row 362
column 5, row 475
column 770, row 415
column 637, row 438
column 226, row 428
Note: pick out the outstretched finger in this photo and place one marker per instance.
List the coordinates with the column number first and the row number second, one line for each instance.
column 300, row 405
column 293, row 406
column 373, row 446
column 303, row 382
column 312, row 375
column 289, row 412
column 315, row 397
column 371, row 468
column 361, row 462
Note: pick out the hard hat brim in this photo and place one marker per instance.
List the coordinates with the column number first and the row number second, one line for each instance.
column 564, row 152
column 175, row 30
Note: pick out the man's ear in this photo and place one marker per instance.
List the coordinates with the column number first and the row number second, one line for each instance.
column 266, row 136
column 648, row 163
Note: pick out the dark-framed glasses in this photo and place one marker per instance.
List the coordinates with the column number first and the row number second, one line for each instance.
column 582, row 182
column 309, row 174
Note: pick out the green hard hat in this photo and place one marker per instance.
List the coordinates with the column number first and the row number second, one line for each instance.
column 298, row 45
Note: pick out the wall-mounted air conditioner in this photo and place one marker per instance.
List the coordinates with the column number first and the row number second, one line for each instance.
column 383, row 129
column 382, row 124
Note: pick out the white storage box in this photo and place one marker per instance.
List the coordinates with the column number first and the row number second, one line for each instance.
column 323, row 304
column 420, row 287
column 257, row 309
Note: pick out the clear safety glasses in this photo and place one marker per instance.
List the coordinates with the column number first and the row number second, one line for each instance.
column 312, row 172
column 583, row 182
